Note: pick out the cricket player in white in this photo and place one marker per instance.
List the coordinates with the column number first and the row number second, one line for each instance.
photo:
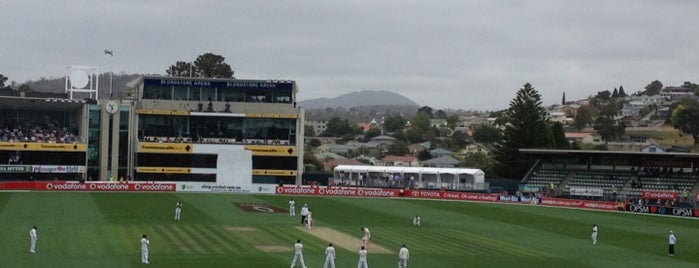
column 292, row 207
column 309, row 219
column 671, row 242
column 144, row 249
column 416, row 221
column 32, row 238
column 329, row 256
column 403, row 256
column 362, row 259
column 594, row 234
column 298, row 254
column 178, row 210
column 366, row 237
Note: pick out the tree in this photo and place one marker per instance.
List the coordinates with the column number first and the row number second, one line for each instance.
column 427, row 110
column 559, row 137
column 526, row 128
column 686, row 121
column 622, row 94
column 440, row 114
column 398, row 148
column 608, row 128
column 581, row 119
column 458, row 140
column 487, row 134
column 314, row 142
column 615, row 94
column 3, row 79
column 563, row 101
column 653, row 88
column 212, row 66
column 337, row 127
column 181, row 69
column 452, row 120
column 394, row 123
column 476, row 160
column 371, row 133
column 25, row 88
column 310, row 159
column 309, row 132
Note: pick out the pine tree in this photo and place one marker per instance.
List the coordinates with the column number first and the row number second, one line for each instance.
column 526, row 127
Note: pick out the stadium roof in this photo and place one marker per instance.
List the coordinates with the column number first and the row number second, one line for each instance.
column 40, row 104
column 607, row 153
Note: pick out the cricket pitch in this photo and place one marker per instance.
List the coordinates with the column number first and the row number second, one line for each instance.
column 343, row 240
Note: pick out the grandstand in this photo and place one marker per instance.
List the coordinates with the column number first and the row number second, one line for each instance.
column 610, row 175
column 198, row 129
column 42, row 138
column 167, row 129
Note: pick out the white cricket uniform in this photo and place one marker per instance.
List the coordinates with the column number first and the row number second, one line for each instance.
column 329, row 257
column 416, row 221
column 594, row 235
column 32, row 238
column 366, row 237
column 292, row 208
column 144, row 250
column 403, row 256
column 178, row 210
column 309, row 219
column 362, row 263
column 298, row 255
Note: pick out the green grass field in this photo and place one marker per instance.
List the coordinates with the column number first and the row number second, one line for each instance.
column 104, row 230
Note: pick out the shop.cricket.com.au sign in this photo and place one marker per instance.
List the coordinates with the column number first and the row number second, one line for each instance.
column 263, row 208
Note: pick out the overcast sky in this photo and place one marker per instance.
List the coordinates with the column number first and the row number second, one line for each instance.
column 445, row 54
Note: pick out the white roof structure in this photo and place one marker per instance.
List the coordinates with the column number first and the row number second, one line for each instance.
column 478, row 175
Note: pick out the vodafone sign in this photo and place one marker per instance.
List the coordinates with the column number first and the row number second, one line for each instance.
column 89, row 186
column 659, row 195
column 331, row 191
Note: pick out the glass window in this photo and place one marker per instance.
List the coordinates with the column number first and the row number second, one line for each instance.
column 195, row 94
column 180, row 93
column 208, row 94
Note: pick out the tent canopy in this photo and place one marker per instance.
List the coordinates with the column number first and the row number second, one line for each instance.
column 478, row 175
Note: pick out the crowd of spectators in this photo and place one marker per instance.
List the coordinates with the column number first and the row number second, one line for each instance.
column 214, row 140
column 39, row 128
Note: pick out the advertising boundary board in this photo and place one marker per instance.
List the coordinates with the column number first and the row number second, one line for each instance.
column 461, row 196
column 76, row 186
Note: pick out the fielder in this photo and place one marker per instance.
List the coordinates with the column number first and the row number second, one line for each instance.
column 292, row 207
column 416, row 221
column 594, row 234
column 362, row 263
column 298, row 254
column 403, row 256
column 32, row 238
column 366, row 237
column 329, row 256
column 178, row 210
column 144, row 249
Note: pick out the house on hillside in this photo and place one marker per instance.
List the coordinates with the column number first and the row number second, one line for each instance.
column 383, row 140
column 583, row 137
column 673, row 93
column 401, row 161
column 438, row 122
column 473, row 148
column 444, row 161
column 415, row 149
column 652, row 148
column 437, row 152
column 317, row 126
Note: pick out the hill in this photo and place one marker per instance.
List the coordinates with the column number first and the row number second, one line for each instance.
column 359, row 98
